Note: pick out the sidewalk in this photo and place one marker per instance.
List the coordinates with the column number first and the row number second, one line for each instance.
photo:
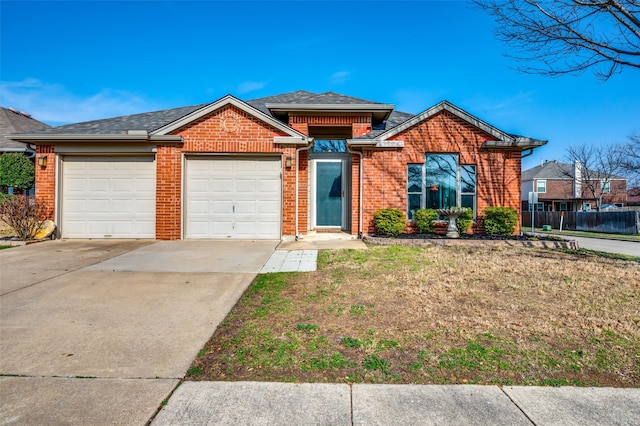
column 260, row 403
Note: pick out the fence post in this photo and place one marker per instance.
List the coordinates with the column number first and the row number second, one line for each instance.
column 637, row 221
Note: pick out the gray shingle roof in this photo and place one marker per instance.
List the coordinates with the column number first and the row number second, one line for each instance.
column 556, row 170
column 308, row 98
column 396, row 118
column 151, row 121
column 148, row 121
column 549, row 170
column 12, row 121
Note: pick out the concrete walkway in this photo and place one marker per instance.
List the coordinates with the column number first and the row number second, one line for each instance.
column 258, row 403
column 97, row 332
column 301, row 255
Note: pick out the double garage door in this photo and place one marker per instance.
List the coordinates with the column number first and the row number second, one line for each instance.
column 114, row 197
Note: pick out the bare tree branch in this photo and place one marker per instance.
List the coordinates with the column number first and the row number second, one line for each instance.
column 554, row 37
column 631, row 162
column 598, row 165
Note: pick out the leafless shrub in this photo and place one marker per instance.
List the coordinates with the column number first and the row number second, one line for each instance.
column 24, row 214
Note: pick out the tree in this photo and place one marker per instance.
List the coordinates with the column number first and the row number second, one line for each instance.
column 16, row 170
column 631, row 162
column 555, row 37
column 597, row 165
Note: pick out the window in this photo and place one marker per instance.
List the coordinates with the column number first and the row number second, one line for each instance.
column 440, row 183
column 563, row 207
column 541, row 186
column 606, row 186
column 540, row 207
column 586, row 207
column 329, row 145
column 415, row 189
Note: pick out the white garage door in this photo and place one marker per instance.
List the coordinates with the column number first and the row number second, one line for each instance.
column 233, row 198
column 108, row 197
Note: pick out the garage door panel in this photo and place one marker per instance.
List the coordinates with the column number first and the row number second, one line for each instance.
column 221, row 185
column 236, row 191
column 108, row 197
column 246, row 185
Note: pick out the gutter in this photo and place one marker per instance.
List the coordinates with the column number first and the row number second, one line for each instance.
column 376, row 143
column 360, row 191
column 131, row 135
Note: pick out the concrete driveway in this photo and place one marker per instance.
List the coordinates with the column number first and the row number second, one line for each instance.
column 95, row 332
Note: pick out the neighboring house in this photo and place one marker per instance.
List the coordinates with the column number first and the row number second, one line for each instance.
column 559, row 190
column 14, row 121
column 633, row 197
column 270, row 168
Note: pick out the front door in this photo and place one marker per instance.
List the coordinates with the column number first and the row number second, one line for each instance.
column 329, row 193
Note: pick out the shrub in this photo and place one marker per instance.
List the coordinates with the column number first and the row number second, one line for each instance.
column 24, row 214
column 16, row 170
column 464, row 221
column 500, row 220
column 389, row 221
column 424, row 220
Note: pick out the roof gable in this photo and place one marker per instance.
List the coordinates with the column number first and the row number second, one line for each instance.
column 227, row 100
column 449, row 107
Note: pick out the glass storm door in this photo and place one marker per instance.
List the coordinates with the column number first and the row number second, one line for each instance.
column 329, row 193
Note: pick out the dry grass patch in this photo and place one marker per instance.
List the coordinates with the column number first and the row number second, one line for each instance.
column 499, row 315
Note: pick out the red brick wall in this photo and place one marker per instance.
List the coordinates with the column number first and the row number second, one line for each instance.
column 168, row 192
column 227, row 130
column 45, row 178
column 385, row 172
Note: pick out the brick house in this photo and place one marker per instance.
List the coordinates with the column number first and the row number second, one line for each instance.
column 558, row 189
column 271, row 168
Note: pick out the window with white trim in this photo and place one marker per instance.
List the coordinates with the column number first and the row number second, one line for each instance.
column 541, row 186
column 606, row 186
column 440, row 183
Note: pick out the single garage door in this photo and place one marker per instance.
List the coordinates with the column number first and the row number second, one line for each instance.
column 233, row 198
column 108, row 197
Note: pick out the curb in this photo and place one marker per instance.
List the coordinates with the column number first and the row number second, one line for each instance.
column 417, row 242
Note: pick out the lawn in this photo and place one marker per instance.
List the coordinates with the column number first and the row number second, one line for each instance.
column 437, row 315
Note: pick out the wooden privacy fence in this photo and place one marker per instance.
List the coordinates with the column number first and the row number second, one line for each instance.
column 618, row 222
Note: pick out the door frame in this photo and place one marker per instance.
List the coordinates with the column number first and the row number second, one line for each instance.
column 344, row 217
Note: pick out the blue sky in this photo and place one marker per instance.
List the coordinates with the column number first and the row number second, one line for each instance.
column 75, row 61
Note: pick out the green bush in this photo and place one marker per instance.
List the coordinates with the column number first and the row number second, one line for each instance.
column 464, row 221
column 500, row 220
column 424, row 220
column 389, row 221
column 16, row 170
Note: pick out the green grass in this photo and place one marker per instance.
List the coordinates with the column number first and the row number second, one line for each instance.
column 439, row 315
column 5, row 247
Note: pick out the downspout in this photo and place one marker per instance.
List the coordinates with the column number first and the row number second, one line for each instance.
column 522, row 155
column 303, row 148
column 359, row 153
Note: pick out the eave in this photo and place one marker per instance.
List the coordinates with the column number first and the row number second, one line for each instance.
column 379, row 112
column 375, row 144
column 516, row 144
column 132, row 136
